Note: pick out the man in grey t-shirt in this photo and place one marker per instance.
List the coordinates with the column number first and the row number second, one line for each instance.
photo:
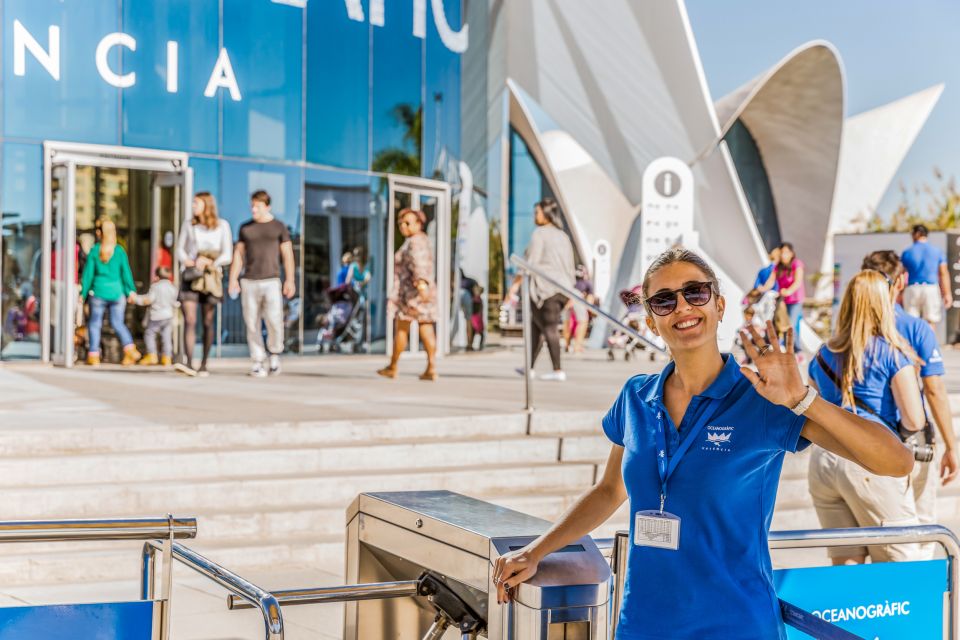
column 262, row 242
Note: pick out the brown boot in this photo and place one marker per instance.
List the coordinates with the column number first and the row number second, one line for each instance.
column 130, row 355
column 149, row 359
column 93, row 359
column 165, row 361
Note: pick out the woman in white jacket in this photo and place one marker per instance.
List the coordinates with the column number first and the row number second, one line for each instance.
column 204, row 245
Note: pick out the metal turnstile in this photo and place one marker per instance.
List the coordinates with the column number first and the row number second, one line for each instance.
column 399, row 536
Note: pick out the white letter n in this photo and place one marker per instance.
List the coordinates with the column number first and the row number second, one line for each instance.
column 223, row 76
column 22, row 40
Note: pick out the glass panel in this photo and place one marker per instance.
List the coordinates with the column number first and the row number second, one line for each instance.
column 397, row 117
column 265, row 41
column 527, row 187
column 338, row 253
column 284, row 184
column 756, row 184
column 206, row 176
column 22, row 207
column 338, row 87
column 80, row 106
column 152, row 115
column 441, row 118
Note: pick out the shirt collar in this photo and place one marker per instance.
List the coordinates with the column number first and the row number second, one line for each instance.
column 720, row 387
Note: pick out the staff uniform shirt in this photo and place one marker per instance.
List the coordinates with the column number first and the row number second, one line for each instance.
column 922, row 261
column 881, row 363
column 763, row 275
column 719, row 584
column 920, row 336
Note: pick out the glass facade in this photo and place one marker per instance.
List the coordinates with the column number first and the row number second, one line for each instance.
column 756, row 184
column 312, row 104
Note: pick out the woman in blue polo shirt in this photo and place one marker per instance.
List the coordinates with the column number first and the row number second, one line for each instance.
column 697, row 450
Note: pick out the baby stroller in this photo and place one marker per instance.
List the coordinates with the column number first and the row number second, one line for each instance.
column 634, row 319
column 343, row 324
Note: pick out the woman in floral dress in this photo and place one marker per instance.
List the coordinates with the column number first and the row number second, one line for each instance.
column 414, row 294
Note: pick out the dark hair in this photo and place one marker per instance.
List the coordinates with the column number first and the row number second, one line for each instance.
column 551, row 211
column 162, row 272
column 920, row 230
column 886, row 262
column 679, row 254
column 421, row 216
column 260, row 196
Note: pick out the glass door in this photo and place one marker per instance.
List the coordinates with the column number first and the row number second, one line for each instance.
column 433, row 199
column 62, row 269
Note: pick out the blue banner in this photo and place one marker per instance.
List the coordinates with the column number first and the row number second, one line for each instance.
column 884, row 601
column 115, row 620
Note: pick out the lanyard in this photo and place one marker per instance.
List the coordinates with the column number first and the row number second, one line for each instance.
column 667, row 465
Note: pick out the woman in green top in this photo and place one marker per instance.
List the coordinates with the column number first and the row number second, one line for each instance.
column 108, row 280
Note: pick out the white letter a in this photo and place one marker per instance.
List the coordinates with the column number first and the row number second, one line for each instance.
column 223, row 77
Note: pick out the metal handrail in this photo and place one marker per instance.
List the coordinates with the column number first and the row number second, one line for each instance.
column 816, row 538
column 576, row 296
column 526, row 270
column 106, row 529
column 346, row 593
column 257, row 597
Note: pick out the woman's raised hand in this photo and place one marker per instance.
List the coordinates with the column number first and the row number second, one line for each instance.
column 510, row 570
column 777, row 377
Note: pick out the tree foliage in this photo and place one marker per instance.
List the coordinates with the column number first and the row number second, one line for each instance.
column 935, row 205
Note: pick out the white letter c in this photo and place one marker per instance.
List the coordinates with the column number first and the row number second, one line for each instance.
column 103, row 49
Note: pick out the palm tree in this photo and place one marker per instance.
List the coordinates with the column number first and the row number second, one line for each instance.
column 401, row 159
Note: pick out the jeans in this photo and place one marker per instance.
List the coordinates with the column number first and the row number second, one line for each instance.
column 163, row 328
column 98, row 308
column 795, row 311
column 262, row 300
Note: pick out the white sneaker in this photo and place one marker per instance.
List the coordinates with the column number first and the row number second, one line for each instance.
column 554, row 376
column 274, row 365
column 519, row 370
column 257, row 371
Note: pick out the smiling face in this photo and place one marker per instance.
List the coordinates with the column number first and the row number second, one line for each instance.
column 409, row 225
column 688, row 327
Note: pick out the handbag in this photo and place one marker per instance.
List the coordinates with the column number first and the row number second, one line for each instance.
column 190, row 274
column 921, row 442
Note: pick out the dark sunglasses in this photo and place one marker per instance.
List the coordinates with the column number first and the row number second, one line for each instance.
column 664, row 303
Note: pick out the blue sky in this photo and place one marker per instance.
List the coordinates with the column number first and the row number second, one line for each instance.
column 889, row 49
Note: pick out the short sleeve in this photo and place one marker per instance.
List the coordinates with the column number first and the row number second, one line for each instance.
column 284, row 233
column 894, row 360
column 615, row 419
column 929, row 351
column 942, row 258
column 785, row 427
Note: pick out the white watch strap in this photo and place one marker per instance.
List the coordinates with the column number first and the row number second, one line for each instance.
column 804, row 404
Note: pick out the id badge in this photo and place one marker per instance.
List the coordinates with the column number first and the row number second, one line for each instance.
column 657, row 529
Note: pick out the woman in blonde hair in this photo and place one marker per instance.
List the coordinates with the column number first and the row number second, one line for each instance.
column 866, row 368
column 204, row 247
column 109, row 282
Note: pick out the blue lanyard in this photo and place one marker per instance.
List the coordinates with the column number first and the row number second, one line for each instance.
column 666, row 465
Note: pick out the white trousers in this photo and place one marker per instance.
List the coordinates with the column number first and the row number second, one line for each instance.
column 262, row 300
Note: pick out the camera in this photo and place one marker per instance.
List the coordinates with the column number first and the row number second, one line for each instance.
column 922, row 443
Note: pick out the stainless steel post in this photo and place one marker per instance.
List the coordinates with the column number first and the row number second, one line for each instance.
column 438, row 629
column 146, row 571
column 347, row 593
column 621, row 547
column 527, row 342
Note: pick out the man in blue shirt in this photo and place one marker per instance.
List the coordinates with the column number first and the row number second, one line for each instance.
column 764, row 276
column 928, row 281
column 921, row 337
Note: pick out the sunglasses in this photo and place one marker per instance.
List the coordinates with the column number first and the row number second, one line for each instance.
column 664, row 303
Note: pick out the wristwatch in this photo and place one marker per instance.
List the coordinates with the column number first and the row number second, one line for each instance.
column 804, row 404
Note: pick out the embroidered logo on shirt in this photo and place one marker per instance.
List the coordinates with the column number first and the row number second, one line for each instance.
column 935, row 356
column 718, row 439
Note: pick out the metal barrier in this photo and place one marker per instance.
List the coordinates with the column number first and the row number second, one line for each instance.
column 526, row 270
column 257, row 597
column 824, row 538
column 168, row 528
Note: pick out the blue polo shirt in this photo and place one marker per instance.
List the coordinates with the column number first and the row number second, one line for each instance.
column 719, row 584
column 763, row 275
column 920, row 336
column 881, row 364
column 922, row 261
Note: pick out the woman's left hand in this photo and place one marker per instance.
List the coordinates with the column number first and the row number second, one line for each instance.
column 203, row 262
column 777, row 377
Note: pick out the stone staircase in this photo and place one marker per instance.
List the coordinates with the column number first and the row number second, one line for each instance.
column 273, row 496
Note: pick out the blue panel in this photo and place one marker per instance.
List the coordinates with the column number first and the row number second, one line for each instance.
column 527, row 188
column 397, row 93
column 153, row 116
column 21, row 200
column 265, row 42
column 118, row 621
column 338, row 87
column 206, row 176
column 80, row 106
column 441, row 118
column 893, row 601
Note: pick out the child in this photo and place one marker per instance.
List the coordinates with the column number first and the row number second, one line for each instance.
column 162, row 299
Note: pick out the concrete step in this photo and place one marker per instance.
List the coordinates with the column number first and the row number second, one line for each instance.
column 185, row 466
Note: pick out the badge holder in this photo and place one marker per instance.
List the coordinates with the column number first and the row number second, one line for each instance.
column 658, row 529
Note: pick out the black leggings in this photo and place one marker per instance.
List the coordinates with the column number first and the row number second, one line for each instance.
column 544, row 324
column 190, row 328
